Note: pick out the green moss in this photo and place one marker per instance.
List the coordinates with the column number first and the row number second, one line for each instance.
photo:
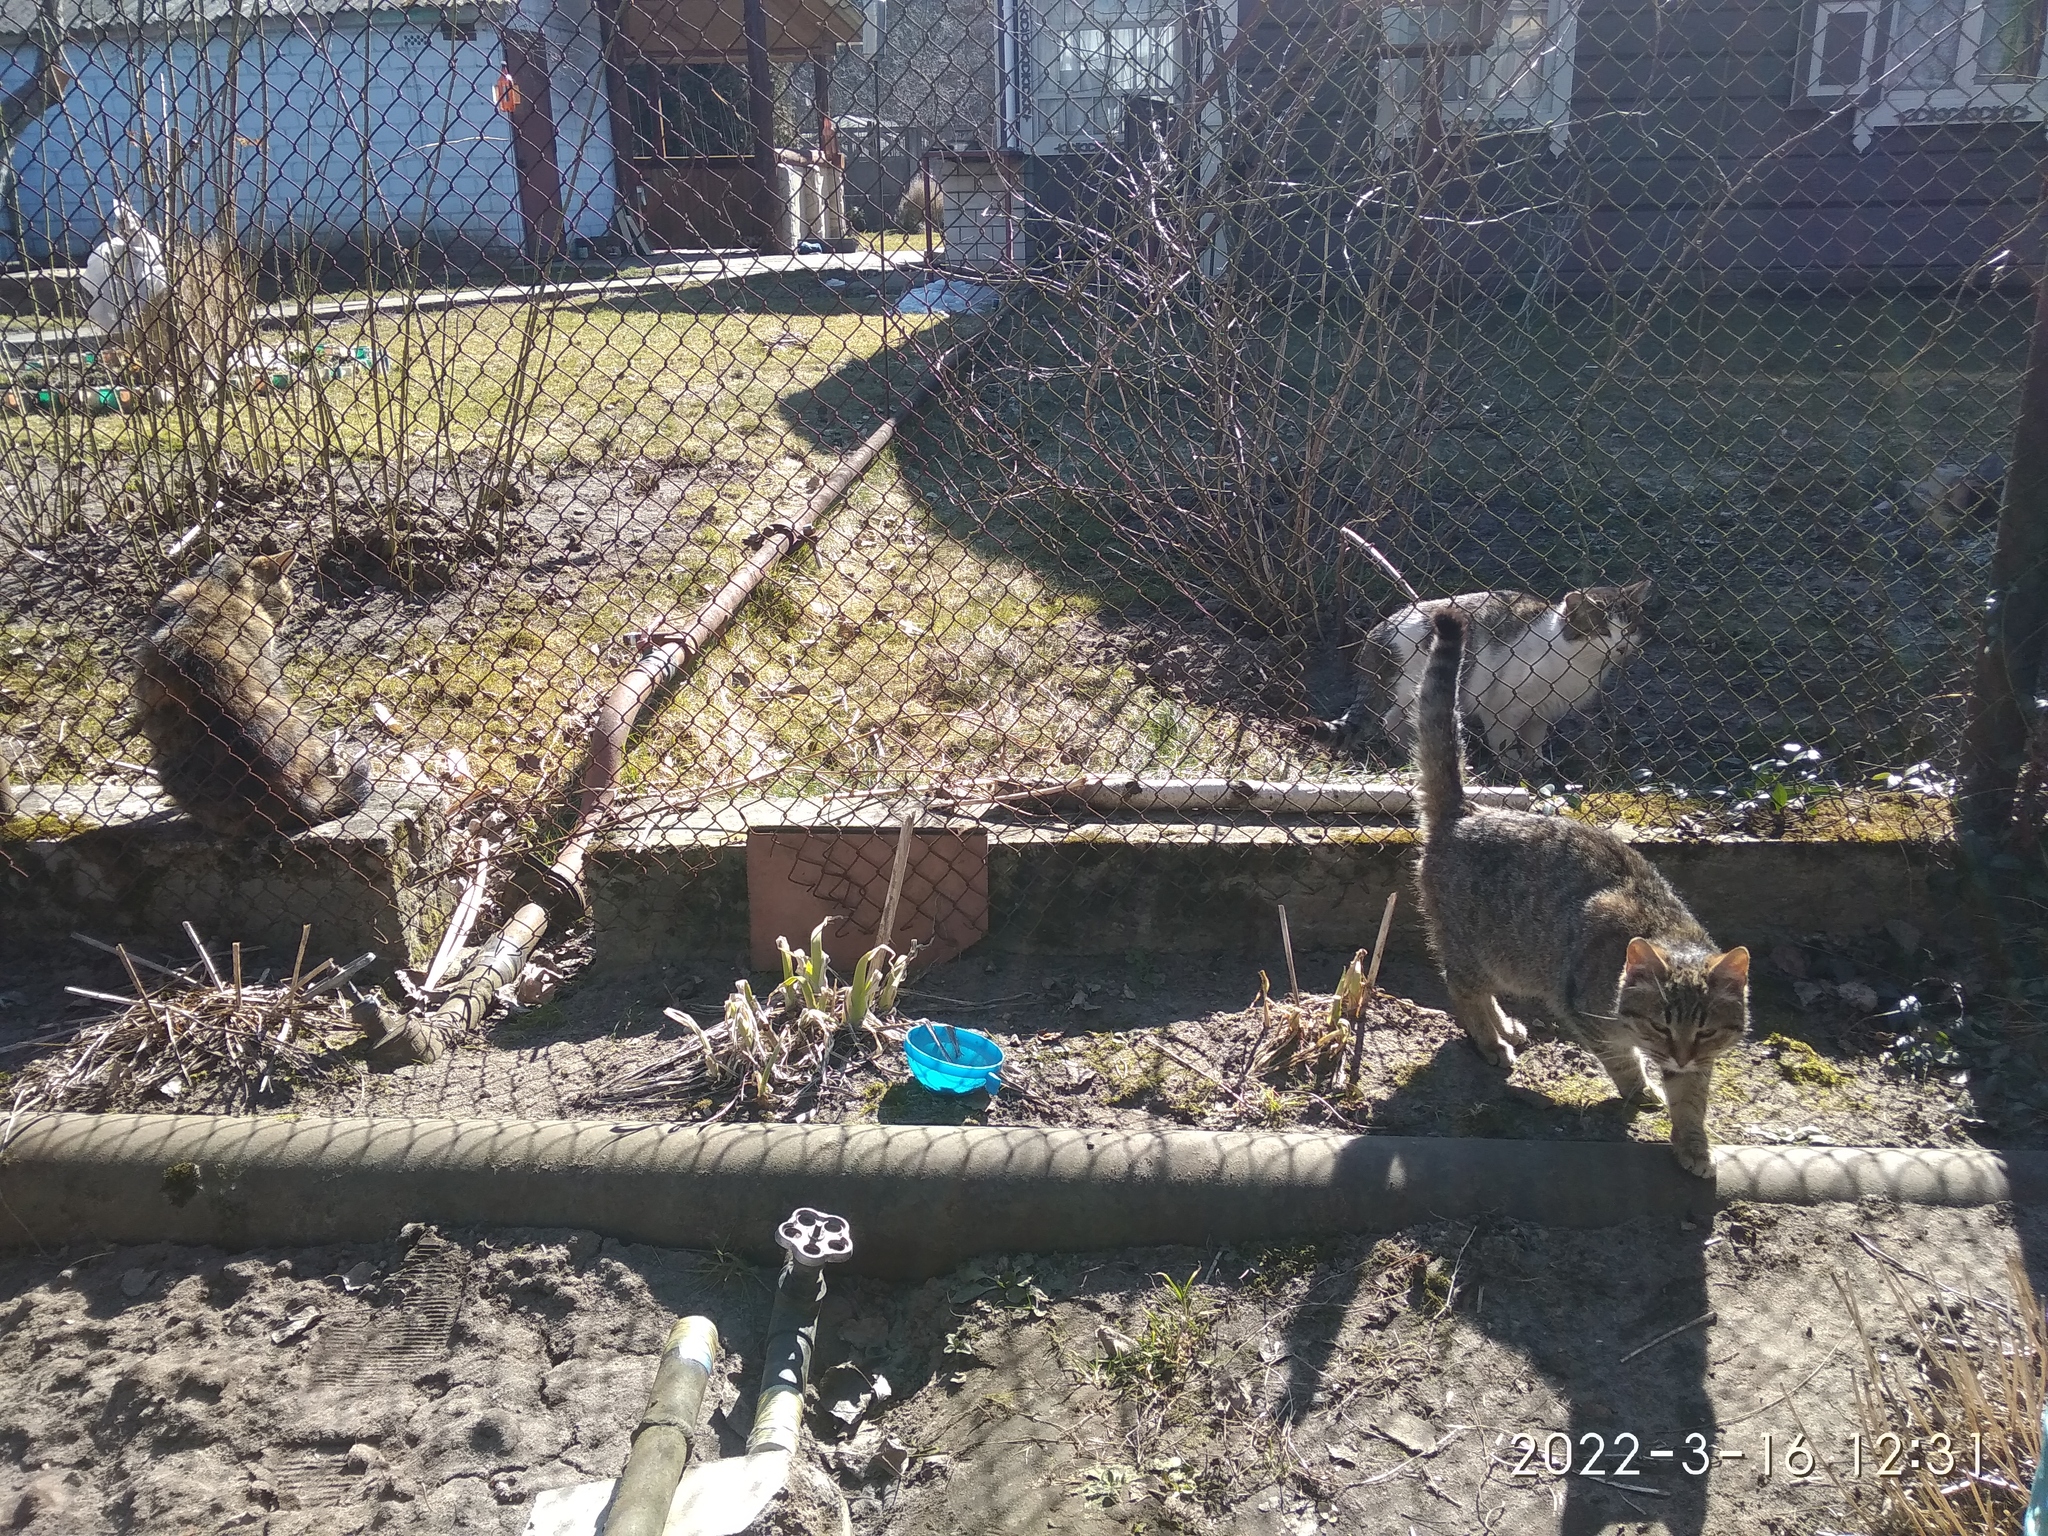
column 1852, row 816
column 181, row 1182
column 1270, row 1109
column 1187, row 1096
column 1433, row 1287
column 1128, row 1074
column 1799, row 1062
column 870, row 1099
column 1580, row 1091
column 30, row 829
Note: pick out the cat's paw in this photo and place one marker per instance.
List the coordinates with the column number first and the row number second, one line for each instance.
column 1694, row 1155
column 1647, row 1098
column 1495, row 1053
column 1513, row 1032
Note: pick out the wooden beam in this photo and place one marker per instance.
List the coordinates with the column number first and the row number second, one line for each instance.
column 761, row 112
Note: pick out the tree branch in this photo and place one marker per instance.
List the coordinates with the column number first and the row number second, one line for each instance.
column 47, row 81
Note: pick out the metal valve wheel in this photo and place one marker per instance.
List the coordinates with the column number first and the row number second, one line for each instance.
column 812, row 1238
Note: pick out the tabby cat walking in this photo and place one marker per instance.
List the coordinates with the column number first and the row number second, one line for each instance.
column 1574, row 919
column 225, row 742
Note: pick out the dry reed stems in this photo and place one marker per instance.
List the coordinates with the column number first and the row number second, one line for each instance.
column 1958, row 1394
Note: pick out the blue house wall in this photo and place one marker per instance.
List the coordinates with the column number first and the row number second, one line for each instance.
column 308, row 91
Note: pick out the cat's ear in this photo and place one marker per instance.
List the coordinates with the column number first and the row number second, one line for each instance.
column 1583, row 615
column 271, row 568
column 1730, row 970
column 1645, row 962
column 1637, row 592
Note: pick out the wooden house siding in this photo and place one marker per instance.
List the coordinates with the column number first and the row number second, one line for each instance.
column 1688, row 128
column 1683, row 150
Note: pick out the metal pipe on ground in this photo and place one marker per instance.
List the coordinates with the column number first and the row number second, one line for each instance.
column 557, row 898
column 661, row 1442
column 924, row 1198
column 637, row 1502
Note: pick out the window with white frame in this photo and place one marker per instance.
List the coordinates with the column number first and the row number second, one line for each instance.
column 1901, row 63
column 1090, row 58
column 1486, row 63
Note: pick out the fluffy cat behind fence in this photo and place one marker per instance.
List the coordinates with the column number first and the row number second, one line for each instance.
column 1574, row 919
column 1528, row 662
column 225, row 742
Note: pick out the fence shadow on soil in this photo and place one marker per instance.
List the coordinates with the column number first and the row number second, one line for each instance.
column 1558, row 1328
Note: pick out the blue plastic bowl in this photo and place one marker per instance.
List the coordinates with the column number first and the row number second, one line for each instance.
column 949, row 1060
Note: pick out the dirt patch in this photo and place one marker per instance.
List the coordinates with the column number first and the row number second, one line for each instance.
column 1889, row 1054
column 1159, row 1040
column 1378, row 1383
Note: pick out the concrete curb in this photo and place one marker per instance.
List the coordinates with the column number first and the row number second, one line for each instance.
column 921, row 1198
column 1209, row 887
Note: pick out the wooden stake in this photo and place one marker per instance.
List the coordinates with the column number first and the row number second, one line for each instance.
column 1379, row 945
column 112, row 949
column 1372, row 978
column 896, row 877
column 141, row 991
column 1287, row 943
column 459, row 925
column 305, row 937
column 238, row 972
column 205, row 959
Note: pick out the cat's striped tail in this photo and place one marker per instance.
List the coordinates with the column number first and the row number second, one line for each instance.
column 1438, row 752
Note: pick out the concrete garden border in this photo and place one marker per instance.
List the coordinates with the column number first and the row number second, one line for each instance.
column 663, row 893
column 921, row 1198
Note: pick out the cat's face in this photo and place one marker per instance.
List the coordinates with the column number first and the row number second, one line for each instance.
column 273, row 591
column 1683, row 1011
column 1613, row 617
column 259, row 581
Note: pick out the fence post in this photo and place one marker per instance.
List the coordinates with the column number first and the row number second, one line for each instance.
column 2009, row 648
column 761, row 113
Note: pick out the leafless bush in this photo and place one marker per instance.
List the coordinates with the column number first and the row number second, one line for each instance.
column 922, row 206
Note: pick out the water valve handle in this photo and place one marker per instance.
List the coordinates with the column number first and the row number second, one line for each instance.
column 813, row 1238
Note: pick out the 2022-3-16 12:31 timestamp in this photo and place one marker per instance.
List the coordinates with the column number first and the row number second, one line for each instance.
column 1624, row 1455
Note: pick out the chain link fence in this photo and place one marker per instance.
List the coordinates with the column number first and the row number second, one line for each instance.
column 1682, row 347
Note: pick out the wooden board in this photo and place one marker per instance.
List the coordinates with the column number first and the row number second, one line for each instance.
column 798, row 875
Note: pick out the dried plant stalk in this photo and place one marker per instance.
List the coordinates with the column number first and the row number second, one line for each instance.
column 1968, row 1372
column 197, row 1043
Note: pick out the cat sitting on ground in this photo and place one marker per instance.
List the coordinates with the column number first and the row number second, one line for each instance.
column 1529, row 663
column 225, row 742
column 1570, row 917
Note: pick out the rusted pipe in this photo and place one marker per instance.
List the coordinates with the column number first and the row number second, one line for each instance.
column 555, row 897
column 668, row 653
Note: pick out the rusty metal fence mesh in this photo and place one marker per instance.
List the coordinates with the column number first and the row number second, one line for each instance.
column 1682, row 347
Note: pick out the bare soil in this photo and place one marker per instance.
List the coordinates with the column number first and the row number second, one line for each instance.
column 1401, row 1383
column 1159, row 1039
column 1865, row 1044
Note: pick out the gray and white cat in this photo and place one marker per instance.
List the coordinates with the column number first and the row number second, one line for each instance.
column 1575, row 920
column 1529, row 663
